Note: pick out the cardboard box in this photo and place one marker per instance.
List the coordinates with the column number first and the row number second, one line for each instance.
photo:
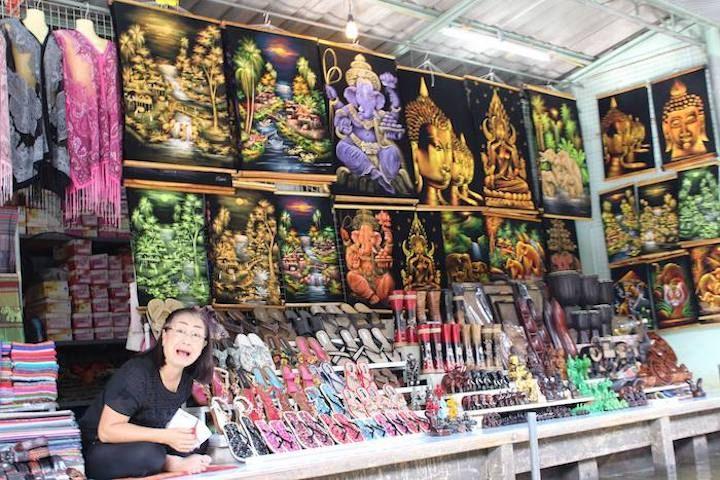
column 80, row 291
column 114, row 276
column 118, row 305
column 99, row 277
column 56, row 321
column 105, row 333
column 50, row 306
column 82, row 320
column 49, row 289
column 83, row 305
column 77, row 277
column 60, row 335
column 120, row 319
column 83, row 334
column 100, row 305
column 119, row 291
column 115, row 262
column 78, row 262
column 120, row 332
column 73, row 247
column 102, row 320
column 99, row 262
column 99, row 291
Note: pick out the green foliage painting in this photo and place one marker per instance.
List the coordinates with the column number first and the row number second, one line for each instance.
column 698, row 203
column 169, row 246
column 516, row 248
column 466, row 246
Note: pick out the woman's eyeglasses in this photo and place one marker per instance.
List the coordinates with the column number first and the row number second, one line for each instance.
column 192, row 336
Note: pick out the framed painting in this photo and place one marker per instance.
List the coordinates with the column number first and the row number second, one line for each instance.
column 631, row 286
column 309, row 261
column 683, row 118
column 699, row 204
column 618, row 210
column 367, row 122
column 243, row 249
column 446, row 159
column 369, row 251
column 516, row 247
column 419, row 252
column 561, row 159
column 658, row 215
column 176, row 111
column 169, row 245
column 500, row 129
column 563, row 252
column 275, row 88
column 705, row 267
column 626, row 132
column 672, row 289
column 466, row 246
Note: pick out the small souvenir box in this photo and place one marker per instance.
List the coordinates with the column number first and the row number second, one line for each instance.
column 83, row 334
column 121, row 319
column 102, row 320
column 99, row 277
column 118, row 305
column 80, row 291
column 73, row 247
column 78, row 262
column 77, row 277
column 98, row 291
column 55, row 321
column 100, row 305
column 119, row 291
column 115, row 262
column 49, row 289
column 60, row 335
column 99, row 262
column 104, row 333
column 120, row 332
column 81, row 305
column 50, row 306
column 82, row 320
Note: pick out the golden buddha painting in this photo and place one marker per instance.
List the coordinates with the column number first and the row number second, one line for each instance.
column 419, row 236
column 446, row 160
column 682, row 114
column 626, row 132
column 705, row 267
column 500, row 130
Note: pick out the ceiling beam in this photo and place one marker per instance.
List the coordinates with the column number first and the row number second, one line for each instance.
column 680, row 11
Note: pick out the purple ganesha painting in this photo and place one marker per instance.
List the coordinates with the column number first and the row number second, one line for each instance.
column 367, row 119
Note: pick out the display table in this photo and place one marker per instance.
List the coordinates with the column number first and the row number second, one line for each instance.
column 503, row 452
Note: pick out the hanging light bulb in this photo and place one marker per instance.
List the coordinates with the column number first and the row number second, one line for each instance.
column 351, row 28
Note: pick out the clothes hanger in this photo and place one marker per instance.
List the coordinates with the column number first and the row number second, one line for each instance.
column 493, row 77
column 87, row 28
column 35, row 21
column 428, row 65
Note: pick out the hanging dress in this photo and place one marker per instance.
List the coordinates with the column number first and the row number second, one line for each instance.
column 90, row 87
column 6, row 166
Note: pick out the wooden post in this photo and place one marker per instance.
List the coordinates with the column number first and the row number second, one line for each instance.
column 500, row 463
column 663, row 452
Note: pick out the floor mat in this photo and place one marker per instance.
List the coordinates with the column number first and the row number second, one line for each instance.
column 182, row 476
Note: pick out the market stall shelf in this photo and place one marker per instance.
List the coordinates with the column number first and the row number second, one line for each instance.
column 169, row 247
column 626, row 132
column 243, row 249
column 683, row 118
column 620, row 222
column 500, row 129
column 366, row 116
column 446, row 159
column 699, row 204
column 705, row 265
column 672, row 289
column 631, row 286
column 173, row 90
column 466, row 246
column 658, row 215
column 516, row 247
column 562, row 163
column 309, row 261
column 563, row 252
column 275, row 88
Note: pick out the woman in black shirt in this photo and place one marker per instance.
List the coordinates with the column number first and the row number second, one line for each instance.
column 124, row 430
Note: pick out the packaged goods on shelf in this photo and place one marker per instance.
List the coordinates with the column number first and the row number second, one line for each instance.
column 102, row 320
column 104, row 333
column 79, row 247
column 83, row 333
column 49, row 289
column 80, row 291
column 76, row 277
column 99, row 262
column 98, row 291
column 82, row 321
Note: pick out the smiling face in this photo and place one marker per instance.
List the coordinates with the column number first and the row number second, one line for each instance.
column 183, row 340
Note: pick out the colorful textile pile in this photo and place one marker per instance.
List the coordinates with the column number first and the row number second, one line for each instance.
column 49, row 441
column 28, row 375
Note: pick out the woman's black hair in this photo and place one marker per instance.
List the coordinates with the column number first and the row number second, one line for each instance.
column 202, row 368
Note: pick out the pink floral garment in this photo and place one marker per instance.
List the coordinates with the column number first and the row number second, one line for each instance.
column 6, row 168
column 93, row 117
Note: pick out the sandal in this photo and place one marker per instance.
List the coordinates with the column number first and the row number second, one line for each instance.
column 334, row 400
column 242, row 406
column 365, row 377
column 354, row 405
column 366, row 430
column 367, row 401
column 352, row 430
column 317, row 349
column 320, row 432
column 246, row 352
column 237, row 438
column 336, row 356
column 296, row 393
column 315, row 321
column 273, row 343
column 300, row 324
column 281, row 429
column 386, row 424
column 331, row 377
column 305, row 355
column 316, row 398
column 344, row 323
column 385, row 346
column 304, row 435
column 351, row 346
column 403, row 427
column 352, row 379
column 272, row 439
column 308, row 379
column 261, row 351
column 337, row 432
column 285, row 330
column 371, row 348
column 271, row 411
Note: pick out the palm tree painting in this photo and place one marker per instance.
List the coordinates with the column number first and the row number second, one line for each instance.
column 276, row 95
column 173, row 89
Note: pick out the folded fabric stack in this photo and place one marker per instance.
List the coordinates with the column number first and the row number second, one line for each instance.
column 28, row 376
column 49, row 439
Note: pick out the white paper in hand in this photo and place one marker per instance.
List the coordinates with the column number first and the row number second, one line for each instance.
column 183, row 419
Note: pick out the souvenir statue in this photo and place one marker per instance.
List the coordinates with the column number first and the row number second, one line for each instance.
column 618, row 210
column 308, row 253
column 699, row 203
column 705, row 265
column 243, row 248
column 562, row 244
column 420, row 238
column 682, row 112
column 516, row 247
column 672, row 289
column 658, row 215
column 275, row 88
column 366, row 112
column 169, row 248
column 466, row 246
column 499, row 125
column 174, row 90
column 446, row 161
column 626, row 133
column 564, row 177
column 632, row 293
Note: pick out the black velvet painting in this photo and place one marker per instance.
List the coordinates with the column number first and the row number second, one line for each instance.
column 365, row 115
column 632, row 293
column 418, row 260
column 368, row 249
column 500, row 130
column 658, row 216
column 562, row 163
column 275, row 87
column 699, row 203
column 173, row 89
column 309, row 260
column 563, row 252
column 516, row 248
column 168, row 243
column 446, row 159
column 683, row 117
column 466, row 246
column 243, row 250
column 618, row 210
column 673, row 292
column 626, row 132
column 705, row 266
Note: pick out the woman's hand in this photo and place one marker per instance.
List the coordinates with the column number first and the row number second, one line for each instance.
column 180, row 439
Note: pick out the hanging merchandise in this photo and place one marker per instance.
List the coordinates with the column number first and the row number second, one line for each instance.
column 500, row 128
column 243, row 247
column 563, row 252
column 466, row 247
column 174, row 90
column 618, row 210
column 275, row 88
column 705, row 265
column 658, row 215
column 626, row 132
column 699, row 204
column 419, row 258
column 672, row 290
column 516, row 247
column 633, row 299
column 308, row 250
column 366, row 116
column 561, row 159
column 6, row 163
column 169, row 247
column 446, row 159
column 683, row 118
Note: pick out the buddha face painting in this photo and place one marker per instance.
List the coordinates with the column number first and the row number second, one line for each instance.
column 683, row 123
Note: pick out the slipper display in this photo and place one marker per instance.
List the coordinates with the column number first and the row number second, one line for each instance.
column 356, row 351
column 385, row 346
column 372, row 350
column 337, row 357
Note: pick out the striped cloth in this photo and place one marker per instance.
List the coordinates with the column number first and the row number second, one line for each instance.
column 8, row 226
